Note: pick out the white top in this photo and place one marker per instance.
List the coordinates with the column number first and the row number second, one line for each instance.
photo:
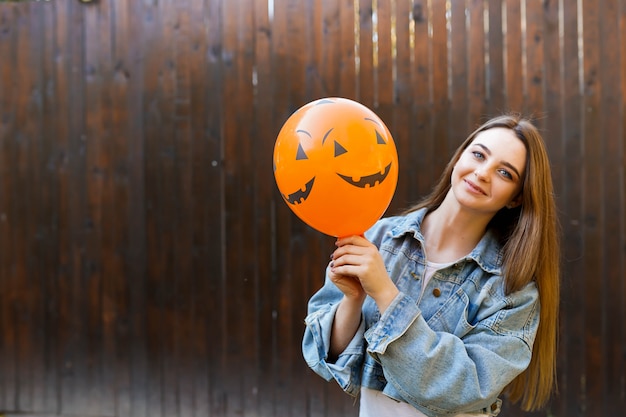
column 431, row 268
column 376, row 404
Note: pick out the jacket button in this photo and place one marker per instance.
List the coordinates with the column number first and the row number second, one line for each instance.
column 436, row 292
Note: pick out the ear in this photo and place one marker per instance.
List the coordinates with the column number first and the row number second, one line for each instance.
column 515, row 202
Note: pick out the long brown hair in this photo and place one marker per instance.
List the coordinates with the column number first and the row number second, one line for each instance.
column 530, row 238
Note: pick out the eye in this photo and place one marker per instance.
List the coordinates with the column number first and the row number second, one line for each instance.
column 478, row 155
column 506, row 174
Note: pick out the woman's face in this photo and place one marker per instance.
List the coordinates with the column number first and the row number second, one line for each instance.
column 489, row 174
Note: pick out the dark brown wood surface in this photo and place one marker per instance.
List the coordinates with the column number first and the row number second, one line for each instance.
column 148, row 265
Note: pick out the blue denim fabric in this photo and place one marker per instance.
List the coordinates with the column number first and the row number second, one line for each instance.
column 451, row 350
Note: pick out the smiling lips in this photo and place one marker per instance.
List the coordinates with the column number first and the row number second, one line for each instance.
column 475, row 188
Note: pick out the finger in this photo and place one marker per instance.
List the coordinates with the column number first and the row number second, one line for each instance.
column 348, row 271
column 348, row 259
column 346, row 251
column 357, row 240
column 360, row 248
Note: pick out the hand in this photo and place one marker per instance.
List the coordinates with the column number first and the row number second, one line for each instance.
column 358, row 263
column 349, row 286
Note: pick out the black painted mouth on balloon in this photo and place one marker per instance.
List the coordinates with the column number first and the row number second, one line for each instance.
column 368, row 180
column 300, row 196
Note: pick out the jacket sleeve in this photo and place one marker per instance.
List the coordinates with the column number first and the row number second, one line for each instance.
column 441, row 373
column 316, row 341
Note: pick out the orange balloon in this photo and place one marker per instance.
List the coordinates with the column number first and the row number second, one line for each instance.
column 336, row 166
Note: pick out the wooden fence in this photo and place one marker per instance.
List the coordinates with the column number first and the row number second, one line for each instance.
column 148, row 266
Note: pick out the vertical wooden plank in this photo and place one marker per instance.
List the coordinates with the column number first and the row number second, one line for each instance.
column 266, row 132
column 170, row 205
column 283, row 67
column 279, row 71
column 142, row 208
column 198, row 369
column 440, row 88
column 318, row 52
column 552, row 81
column 158, row 178
column 30, row 234
column 118, row 291
column 214, row 234
column 73, row 315
column 238, row 222
column 182, row 353
column 367, row 80
column 458, row 76
column 401, row 116
column 496, row 84
column 513, row 53
column 348, row 80
column 329, row 26
column 87, row 363
column 246, row 132
column 535, row 64
column 612, row 210
column 593, row 219
column 53, row 155
column 477, row 71
column 9, row 21
column 385, row 61
column 621, row 340
column 63, row 62
column 573, row 294
column 421, row 130
column 36, row 282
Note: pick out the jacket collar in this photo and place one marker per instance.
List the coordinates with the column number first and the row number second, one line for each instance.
column 487, row 254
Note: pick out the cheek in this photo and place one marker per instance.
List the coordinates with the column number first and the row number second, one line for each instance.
column 460, row 169
column 506, row 192
column 464, row 163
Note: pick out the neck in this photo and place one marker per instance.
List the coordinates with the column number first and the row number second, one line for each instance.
column 451, row 232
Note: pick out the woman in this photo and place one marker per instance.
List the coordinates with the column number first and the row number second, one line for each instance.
column 442, row 309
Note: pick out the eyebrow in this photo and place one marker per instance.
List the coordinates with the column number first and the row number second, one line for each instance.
column 507, row 164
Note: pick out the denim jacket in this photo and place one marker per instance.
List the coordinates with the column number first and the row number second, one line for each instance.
column 448, row 350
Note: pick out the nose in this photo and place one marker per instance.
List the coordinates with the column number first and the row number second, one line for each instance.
column 480, row 173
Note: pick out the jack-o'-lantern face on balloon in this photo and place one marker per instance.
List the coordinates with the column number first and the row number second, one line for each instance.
column 336, row 166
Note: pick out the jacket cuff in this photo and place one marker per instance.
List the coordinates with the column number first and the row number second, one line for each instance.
column 316, row 344
column 394, row 322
